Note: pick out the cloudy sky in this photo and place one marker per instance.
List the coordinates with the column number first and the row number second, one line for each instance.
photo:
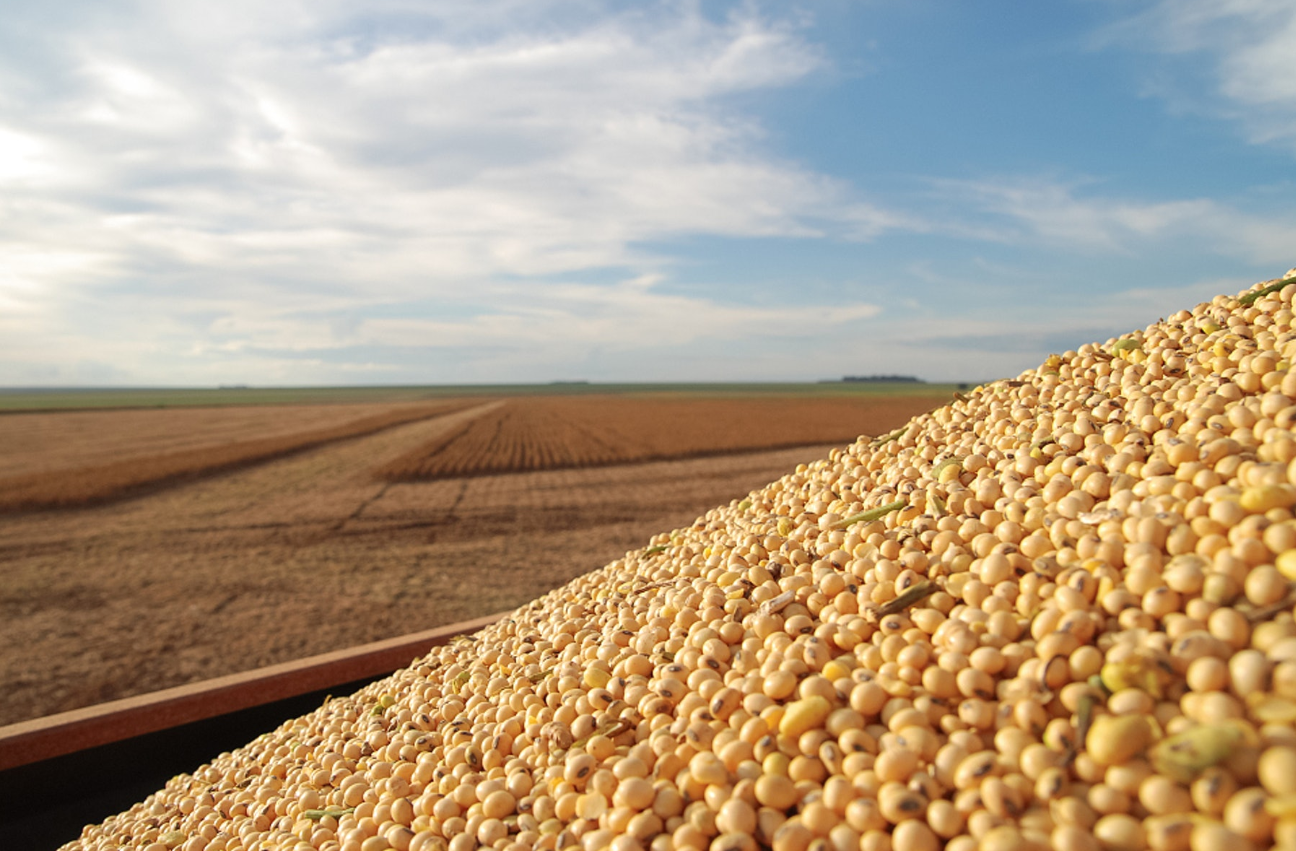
column 478, row 191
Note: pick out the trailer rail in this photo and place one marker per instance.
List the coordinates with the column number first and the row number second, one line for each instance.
column 117, row 753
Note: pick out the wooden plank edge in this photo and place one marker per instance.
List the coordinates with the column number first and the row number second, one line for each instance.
column 79, row 729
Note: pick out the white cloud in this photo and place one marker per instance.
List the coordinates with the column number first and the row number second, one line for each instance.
column 273, row 160
column 630, row 316
column 1058, row 214
column 1248, row 44
column 21, row 157
column 1019, row 315
column 514, row 153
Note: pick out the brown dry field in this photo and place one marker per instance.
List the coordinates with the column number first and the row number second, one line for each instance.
column 311, row 553
column 43, row 441
column 98, row 456
column 550, row 433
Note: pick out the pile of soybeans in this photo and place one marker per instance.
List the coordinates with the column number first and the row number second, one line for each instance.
column 1056, row 613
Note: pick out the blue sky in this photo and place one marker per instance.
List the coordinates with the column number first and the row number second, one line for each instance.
column 466, row 191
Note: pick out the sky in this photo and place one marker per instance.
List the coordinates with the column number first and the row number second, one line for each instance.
column 338, row 192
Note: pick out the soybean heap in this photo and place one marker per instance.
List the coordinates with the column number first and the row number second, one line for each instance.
column 1055, row 613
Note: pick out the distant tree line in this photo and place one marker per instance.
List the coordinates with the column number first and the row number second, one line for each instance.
column 888, row 378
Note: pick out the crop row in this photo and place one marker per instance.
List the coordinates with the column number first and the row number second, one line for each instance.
column 546, row 433
column 95, row 483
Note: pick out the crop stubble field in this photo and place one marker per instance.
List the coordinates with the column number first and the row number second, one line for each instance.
column 549, row 433
column 70, row 459
column 355, row 522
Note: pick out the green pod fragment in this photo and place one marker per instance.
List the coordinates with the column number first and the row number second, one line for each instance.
column 1089, row 701
column 887, row 438
column 871, row 515
column 1252, row 297
column 948, row 462
column 920, row 591
column 1183, row 756
column 1141, row 671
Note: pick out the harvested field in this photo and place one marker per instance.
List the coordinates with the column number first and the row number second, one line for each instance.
column 52, row 460
column 183, row 583
column 550, row 433
column 45, row 441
